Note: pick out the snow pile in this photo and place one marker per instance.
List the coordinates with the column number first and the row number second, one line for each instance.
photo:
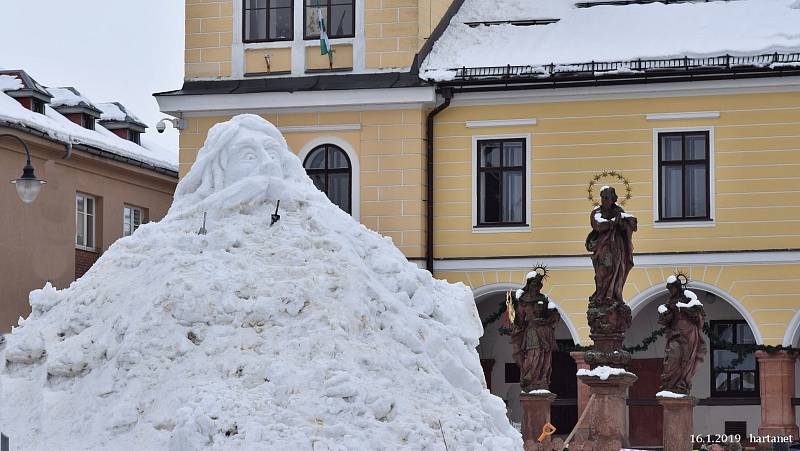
column 610, row 33
column 9, row 83
column 62, row 129
column 603, row 372
column 662, row 308
column 112, row 111
column 693, row 301
column 539, row 392
column 669, row 394
column 66, row 97
column 314, row 333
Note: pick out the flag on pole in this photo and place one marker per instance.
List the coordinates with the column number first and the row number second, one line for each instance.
column 324, row 42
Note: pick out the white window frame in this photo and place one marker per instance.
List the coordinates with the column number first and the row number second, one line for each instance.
column 135, row 226
column 711, row 180
column 298, row 44
column 355, row 167
column 528, row 184
column 86, row 217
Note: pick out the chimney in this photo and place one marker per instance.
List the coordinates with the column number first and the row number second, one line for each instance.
column 74, row 106
column 116, row 118
column 27, row 91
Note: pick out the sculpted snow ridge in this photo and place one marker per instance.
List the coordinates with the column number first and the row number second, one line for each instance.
column 314, row 333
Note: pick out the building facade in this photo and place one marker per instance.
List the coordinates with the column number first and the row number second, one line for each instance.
column 100, row 187
column 479, row 163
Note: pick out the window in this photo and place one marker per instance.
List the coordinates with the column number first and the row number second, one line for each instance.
column 501, row 183
column 330, row 169
column 132, row 218
column 339, row 18
column 87, row 121
column 37, row 106
column 731, row 375
column 684, row 176
column 85, row 207
column 133, row 136
column 267, row 20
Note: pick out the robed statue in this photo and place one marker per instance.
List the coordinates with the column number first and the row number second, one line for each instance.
column 683, row 318
column 533, row 333
column 611, row 245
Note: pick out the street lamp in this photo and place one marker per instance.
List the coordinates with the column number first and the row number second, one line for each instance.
column 28, row 186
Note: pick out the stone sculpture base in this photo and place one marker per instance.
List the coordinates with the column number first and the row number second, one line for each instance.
column 535, row 413
column 605, row 427
column 678, row 422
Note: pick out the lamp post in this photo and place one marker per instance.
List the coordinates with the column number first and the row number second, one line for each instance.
column 28, row 186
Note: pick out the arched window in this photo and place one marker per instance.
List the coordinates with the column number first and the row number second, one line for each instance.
column 330, row 169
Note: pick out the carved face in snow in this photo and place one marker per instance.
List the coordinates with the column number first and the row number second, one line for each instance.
column 245, row 149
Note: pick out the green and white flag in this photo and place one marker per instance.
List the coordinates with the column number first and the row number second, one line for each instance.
column 324, row 42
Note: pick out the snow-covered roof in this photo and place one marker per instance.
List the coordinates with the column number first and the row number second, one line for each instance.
column 9, row 83
column 25, row 83
column 59, row 128
column 69, row 97
column 610, row 33
column 115, row 111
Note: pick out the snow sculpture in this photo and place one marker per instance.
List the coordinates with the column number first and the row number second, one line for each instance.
column 315, row 333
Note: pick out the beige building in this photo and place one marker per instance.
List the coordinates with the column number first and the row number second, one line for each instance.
column 472, row 131
column 99, row 187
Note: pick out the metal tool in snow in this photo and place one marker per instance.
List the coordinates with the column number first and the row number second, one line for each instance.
column 275, row 216
column 203, row 230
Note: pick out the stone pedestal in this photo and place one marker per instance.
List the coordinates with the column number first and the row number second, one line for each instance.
column 583, row 389
column 605, row 426
column 535, row 413
column 678, row 422
column 776, row 380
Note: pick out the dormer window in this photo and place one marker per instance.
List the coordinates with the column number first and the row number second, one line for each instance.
column 26, row 91
column 267, row 20
column 133, row 136
column 37, row 106
column 339, row 18
column 74, row 106
column 117, row 119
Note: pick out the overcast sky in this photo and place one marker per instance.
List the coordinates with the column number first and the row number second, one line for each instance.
column 110, row 50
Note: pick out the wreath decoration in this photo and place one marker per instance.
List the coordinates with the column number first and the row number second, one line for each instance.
column 620, row 178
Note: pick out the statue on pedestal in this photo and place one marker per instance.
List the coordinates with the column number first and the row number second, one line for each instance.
column 611, row 245
column 683, row 317
column 533, row 333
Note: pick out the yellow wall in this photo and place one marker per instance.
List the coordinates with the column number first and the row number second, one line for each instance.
column 769, row 293
column 391, row 28
column 390, row 150
column 255, row 60
column 209, row 34
column 342, row 58
column 756, row 147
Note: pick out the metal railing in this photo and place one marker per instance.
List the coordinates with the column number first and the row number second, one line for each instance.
column 590, row 4
column 632, row 67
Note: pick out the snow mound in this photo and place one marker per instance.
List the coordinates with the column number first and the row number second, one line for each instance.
column 603, row 372
column 669, row 394
column 312, row 334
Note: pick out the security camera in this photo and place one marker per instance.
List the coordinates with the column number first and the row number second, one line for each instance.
column 179, row 123
column 161, row 126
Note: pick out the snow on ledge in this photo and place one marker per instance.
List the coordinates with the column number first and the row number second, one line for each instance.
column 539, row 392
column 603, row 372
column 669, row 394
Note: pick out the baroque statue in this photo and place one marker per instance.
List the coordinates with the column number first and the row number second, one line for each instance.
column 533, row 332
column 611, row 245
column 683, row 318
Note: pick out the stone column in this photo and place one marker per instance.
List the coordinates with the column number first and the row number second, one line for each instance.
column 606, row 426
column 776, row 380
column 678, row 424
column 535, row 413
column 583, row 389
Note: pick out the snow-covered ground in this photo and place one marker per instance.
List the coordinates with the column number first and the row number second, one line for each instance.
column 610, row 33
column 312, row 334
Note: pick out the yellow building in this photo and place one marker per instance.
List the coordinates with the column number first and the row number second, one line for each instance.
column 471, row 133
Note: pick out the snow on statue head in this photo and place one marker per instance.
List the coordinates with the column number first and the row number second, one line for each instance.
column 243, row 160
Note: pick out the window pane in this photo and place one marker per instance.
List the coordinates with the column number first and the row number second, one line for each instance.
column 724, row 332
column 512, row 154
column 126, row 221
column 671, row 148
column 280, row 23
column 513, row 196
column 744, row 335
column 89, row 206
column 749, row 362
column 319, row 181
column 490, row 200
column 724, row 359
column 749, row 381
column 312, row 20
column 671, row 192
column 696, row 190
column 337, row 158
column 696, row 147
column 339, row 190
column 80, row 232
column 722, row 382
column 90, row 231
column 735, row 383
column 255, row 24
column 137, row 218
column 281, row 4
column 253, row 4
column 490, row 155
column 341, row 20
column 79, row 204
column 316, row 160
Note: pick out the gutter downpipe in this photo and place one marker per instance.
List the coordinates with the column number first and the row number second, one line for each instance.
column 447, row 93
